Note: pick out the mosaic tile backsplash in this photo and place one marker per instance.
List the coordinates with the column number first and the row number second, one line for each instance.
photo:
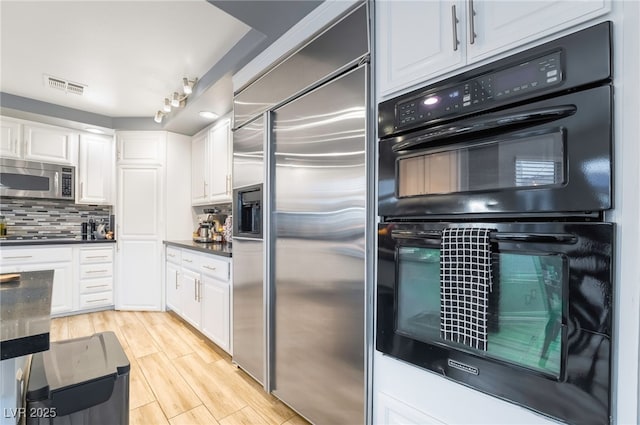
column 32, row 217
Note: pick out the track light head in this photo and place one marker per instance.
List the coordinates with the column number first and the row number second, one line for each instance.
column 159, row 116
column 187, row 85
column 167, row 105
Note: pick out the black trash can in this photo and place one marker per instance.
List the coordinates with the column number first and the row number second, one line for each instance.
column 79, row 381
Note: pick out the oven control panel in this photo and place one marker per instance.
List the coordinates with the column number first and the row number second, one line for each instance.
column 481, row 92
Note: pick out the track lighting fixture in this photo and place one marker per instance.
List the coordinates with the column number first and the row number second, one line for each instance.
column 176, row 100
column 159, row 116
column 187, row 85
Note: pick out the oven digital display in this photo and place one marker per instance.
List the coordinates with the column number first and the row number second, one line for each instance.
column 477, row 93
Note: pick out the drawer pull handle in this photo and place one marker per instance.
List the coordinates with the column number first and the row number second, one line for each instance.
column 171, row 255
column 96, row 286
column 97, row 271
column 97, row 301
column 18, row 256
column 97, row 256
column 188, row 261
column 209, row 267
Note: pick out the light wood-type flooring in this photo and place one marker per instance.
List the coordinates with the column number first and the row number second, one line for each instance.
column 178, row 376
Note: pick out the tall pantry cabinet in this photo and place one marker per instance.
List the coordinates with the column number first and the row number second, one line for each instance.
column 148, row 179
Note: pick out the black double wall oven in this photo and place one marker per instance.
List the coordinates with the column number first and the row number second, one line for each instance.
column 494, row 257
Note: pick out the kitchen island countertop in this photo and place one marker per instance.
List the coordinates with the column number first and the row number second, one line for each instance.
column 216, row 248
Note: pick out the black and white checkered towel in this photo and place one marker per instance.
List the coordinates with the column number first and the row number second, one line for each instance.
column 465, row 284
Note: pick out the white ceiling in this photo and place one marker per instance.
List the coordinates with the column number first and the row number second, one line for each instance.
column 130, row 54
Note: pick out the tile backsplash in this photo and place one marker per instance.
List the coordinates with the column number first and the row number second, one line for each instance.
column 30, row 217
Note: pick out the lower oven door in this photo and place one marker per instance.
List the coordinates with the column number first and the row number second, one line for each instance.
column 548, row 316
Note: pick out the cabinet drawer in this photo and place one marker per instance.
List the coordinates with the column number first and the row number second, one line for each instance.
column 101, row 255
column 99, row 299
column 174, row 255
column 191, row 260
column 96, row 270
column 215, row 267
column 34, row 255
column 89, row 286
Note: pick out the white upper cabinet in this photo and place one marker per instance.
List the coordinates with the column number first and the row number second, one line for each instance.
column 503, row 24
column 199, row 169
column 10, row 135
column 220, row 161
column 95, row 170
column 49, row 144
column 141, row 147
column 418, row 41
column 211, row 155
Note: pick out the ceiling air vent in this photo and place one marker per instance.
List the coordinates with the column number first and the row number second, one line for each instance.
column 65, row 86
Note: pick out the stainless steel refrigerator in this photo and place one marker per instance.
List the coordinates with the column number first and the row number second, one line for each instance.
column 299, row 327
column 318, row 249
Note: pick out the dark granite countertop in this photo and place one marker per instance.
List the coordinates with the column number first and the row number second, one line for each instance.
column 25, row 242
column 216, row 248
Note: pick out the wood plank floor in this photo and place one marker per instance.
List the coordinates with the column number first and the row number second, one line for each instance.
column 178, row 376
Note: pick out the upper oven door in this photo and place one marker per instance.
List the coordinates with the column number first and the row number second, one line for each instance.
column 551, row 156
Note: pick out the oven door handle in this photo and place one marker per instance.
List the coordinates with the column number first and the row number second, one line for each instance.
column 563, row 238
column 486, row 123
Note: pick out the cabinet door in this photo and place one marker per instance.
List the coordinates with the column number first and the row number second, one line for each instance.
column 141, row 147
column 220, row 162
column 95, row 170
column 503, row 24
column 10, row 137
column 390, row 411
column 174, row 282
column 417, row 40
column 215, row 311
column 63, row 283
column 49, row 144
column 199, row 170
column 191, row 310
column 139, row 238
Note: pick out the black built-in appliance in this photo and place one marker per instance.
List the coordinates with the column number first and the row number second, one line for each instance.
column 247, row 209
column 494, row 260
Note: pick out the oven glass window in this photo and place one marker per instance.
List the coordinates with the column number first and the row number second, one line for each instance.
column 518, row 162
column 525, row 306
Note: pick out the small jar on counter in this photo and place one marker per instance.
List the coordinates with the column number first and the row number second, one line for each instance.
column 3, row 226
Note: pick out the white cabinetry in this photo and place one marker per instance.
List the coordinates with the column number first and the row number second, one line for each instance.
column 211, row 154
column 390, row 411
column 172, row 279
column 199, row 290
column 37, row 142
column 49, row 144
column 96, row 277
column 420, row 40
column 95, row 170
column 10, row 136
column 220, row 160
column 215, row 298
column 417, row 40
column 140, row 215
column 199, row 167
column 58, row 259
column 503, row 24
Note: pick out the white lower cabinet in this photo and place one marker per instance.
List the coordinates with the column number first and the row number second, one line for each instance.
column 96, row 277
column 58, row 259
column 173, row 281
column 198, row 289
column 191, row 311
column 215, row 311
column 391, row 411
column 82, row 278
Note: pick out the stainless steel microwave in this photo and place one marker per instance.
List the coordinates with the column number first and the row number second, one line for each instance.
column 28, row 179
